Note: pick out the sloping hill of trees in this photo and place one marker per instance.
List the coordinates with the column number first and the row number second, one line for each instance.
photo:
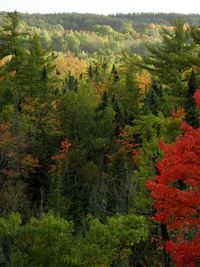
column 86, row 22
column 99, row 146
column 87, row 35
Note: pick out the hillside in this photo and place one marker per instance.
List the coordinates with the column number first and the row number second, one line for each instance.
column 99, row 140
column 87, row 22
column 87, row 35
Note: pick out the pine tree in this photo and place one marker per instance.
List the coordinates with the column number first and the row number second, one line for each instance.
column 171, row 58
column 12, row 43
column 12, row 40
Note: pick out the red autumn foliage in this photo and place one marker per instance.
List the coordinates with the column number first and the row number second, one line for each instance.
column 186, row 253
column 127, row 144
column 61, row 158
column 197, row 97
column 176, row 191
column 65, row 145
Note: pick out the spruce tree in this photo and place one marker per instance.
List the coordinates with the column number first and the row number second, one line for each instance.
column 114, row 74
column 97, row 73
column 71, row 82
column 104, row 101
column 119, row 118
column 90, row 72
column 37, row 69
column 154, row 101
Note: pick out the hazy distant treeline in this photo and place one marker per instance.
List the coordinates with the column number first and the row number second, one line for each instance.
column 78, row 22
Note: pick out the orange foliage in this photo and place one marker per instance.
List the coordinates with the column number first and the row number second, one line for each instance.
column 69, row 62
column 100, row 88
column 178, row 113
column 31, row 162
column 62, row 157
column 144, row 80
column 127, row 144
column 65, row 145
column 14, row 151
column 11, row 173
column 110, row 157
column 5, row 135
column 153, row 26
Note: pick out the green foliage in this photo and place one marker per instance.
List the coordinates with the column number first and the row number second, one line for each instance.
column 44, row 242
column 151, row 130
column 173, row 56
column 112, row 242
column 9, row 227
column 156, row 100
column 50, row 241
column 72, row 43
column 57, row 200
column 110, row 115
column 38, row 68
column 71, row 83
column 11, row 36
column 192, row 116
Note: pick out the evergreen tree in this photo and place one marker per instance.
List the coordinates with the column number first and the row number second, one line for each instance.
column 37, row 69
column 96, row 73
column 90, row 72
column 102, row 105
column 154, row 101
column 57, row 199
column 71, row 83
column 192, row 116
column 119, row 118
column 12, row 43
column 114, row 74
column 171, row 58
column 12, row 39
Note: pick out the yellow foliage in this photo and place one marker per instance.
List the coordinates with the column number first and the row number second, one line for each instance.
column 144, row 80
column 68, row 62
column 5, row 135
column 31, row 162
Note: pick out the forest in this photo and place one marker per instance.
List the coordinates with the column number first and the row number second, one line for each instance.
column 99, row 140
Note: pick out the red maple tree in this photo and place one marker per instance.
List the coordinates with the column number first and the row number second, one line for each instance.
column 197, row 97
column 176, row 191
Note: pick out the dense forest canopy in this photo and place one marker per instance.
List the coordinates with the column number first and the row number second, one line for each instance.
column 99, row 140
column 90, row 35
column 76, row 21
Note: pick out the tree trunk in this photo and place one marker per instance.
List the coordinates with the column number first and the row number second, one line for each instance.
column 165, row 237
